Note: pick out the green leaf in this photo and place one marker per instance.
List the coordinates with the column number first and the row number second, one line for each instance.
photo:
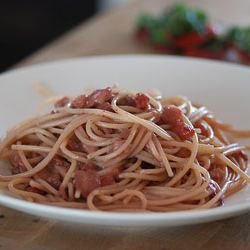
column 182, row 19
column 158, row 36
column 146, row 21
column 240, row 37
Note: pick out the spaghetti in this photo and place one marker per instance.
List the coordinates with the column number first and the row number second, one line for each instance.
column 119, row 151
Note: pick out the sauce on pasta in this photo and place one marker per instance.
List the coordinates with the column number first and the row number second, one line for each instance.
column 114, row 150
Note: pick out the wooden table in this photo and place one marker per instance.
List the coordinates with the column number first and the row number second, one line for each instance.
column 111, row 33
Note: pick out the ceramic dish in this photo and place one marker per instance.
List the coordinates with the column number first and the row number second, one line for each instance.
column 223, row 88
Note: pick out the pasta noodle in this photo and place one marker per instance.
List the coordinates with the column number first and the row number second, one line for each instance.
column 131, row 152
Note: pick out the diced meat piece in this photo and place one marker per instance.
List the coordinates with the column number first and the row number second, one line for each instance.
column 58, row 161
column 126, row 101
column 105, row 106
column 56, row 165
column 44, row 174
column 124, row 134
column 107, row 180
column 75, row 144
column 203, row 129
column 79, row 102
column 173, row 116
column 217, row 174
column 99, row 97
column 87, row 166
column 17, row 164
column 54, row 180
column 184, row 153
column 183, row 130
column 86, row 181
column 51, row 174
column 62, row 102
column 141, row 101
column 35, row 190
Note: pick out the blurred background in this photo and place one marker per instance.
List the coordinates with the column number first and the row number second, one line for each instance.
column 206, row 29
column 26, row 26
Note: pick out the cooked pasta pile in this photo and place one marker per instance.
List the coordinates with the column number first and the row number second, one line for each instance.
column 113, row 150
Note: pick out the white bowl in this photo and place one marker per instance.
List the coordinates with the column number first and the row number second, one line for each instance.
column 223, row 88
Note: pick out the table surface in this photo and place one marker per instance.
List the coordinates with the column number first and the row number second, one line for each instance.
column 111, row 33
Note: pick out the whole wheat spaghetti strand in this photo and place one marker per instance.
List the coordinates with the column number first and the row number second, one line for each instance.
column 12, row 134
column 69, row 174
column 149, row 125
column 122, row 151
column 191, row 159
column 235, row 168
column 73, row 125
column 163, row 157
